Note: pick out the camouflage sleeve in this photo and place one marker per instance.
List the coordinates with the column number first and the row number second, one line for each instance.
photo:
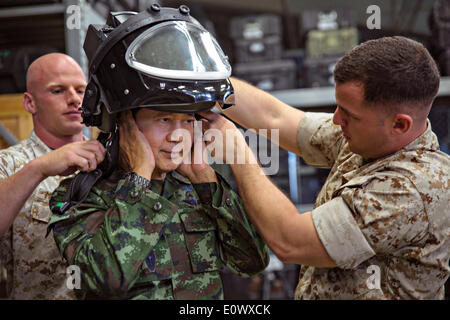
column 319, row 140
column 371, row 217
column 108, row 236
column 7, row 162
column 242, row 249
column 6, row 247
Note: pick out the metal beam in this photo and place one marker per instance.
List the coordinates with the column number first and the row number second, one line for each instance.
column 8, row 136
column 32, row 10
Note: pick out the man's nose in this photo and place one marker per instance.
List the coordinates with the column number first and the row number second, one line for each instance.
column 175, row 136
column 178, row 133
column 337, row 117
column 175, row 133
column 73, row 97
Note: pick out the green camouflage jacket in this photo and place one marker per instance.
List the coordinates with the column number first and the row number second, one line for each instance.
column 165, row 242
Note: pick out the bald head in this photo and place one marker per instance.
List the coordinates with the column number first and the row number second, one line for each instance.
column 50, row 66
column 55, row 91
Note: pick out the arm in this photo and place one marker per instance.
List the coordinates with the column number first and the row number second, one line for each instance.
column 257, row 109
column 290, row 235
column 16, row 189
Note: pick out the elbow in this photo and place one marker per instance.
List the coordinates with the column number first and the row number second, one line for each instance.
column 103, row 285
column 283, row 251
column 302, row 255
column 100, row 279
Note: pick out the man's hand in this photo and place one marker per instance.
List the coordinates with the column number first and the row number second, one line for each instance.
column 196, row 169
column 134, row 145
column 82, row 155
column 14, row 190
column 230, row 134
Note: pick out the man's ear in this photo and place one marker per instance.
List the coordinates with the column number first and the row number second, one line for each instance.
column 402, row 123
column 28, row 103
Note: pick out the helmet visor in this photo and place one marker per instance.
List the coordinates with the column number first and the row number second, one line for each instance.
column 178, row 50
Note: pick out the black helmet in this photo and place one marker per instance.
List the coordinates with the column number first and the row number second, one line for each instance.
column 161, row 58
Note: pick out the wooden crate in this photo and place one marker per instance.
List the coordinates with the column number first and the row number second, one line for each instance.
column 14, row 117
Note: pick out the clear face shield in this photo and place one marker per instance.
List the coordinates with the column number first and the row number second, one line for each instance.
column 178, row 50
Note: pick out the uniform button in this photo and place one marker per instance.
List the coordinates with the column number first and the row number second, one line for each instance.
column 228, row 202
column 157, row 206
column 134, row 193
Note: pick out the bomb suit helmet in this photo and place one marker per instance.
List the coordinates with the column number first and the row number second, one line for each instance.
column 161, row 58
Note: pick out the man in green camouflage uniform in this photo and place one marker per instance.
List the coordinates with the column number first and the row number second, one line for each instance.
column 137, row 238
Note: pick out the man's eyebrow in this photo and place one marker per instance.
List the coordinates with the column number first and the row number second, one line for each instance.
column 346, row 111
column 165, row 113
column 162, row 113
column 56, row 84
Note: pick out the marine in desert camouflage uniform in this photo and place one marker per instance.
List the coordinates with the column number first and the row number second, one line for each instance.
column 32, row 169
column 392, row 213
column 380, row 227
column 39, row 272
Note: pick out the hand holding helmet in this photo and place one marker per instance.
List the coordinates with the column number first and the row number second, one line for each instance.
column 196, row 168
column 135, row 152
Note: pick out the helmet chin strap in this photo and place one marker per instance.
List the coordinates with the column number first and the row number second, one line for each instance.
column 83, row 182
column 111, row 143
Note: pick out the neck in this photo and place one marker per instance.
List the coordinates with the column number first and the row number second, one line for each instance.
column 404, row 141
column 413, row 135
column 54, row 142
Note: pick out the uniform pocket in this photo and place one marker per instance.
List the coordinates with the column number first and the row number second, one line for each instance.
column 201, row 241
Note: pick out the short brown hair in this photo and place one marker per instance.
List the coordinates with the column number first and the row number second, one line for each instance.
column 393, row 70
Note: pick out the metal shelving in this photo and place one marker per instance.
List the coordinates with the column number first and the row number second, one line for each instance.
column 319, row 97
column 314, row 98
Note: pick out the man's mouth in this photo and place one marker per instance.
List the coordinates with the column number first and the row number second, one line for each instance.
column 171, row 154
column 73, row 114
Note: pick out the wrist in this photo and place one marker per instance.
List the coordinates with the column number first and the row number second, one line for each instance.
column 138, row 179
column 243, row 155
column 35, row 169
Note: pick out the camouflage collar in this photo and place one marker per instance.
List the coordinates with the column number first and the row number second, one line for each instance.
column 40, row 146
column 426, row 140
column 173, row 183
column 179, row 177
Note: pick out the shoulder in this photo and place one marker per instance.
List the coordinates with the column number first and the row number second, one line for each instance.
column 14, row 157
column 319, row 139
column 381, row 196
column 427, row 170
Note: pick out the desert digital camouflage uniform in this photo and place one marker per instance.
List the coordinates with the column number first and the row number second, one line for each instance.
column 392, row 213
column 34, row 264
column 166, row 242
